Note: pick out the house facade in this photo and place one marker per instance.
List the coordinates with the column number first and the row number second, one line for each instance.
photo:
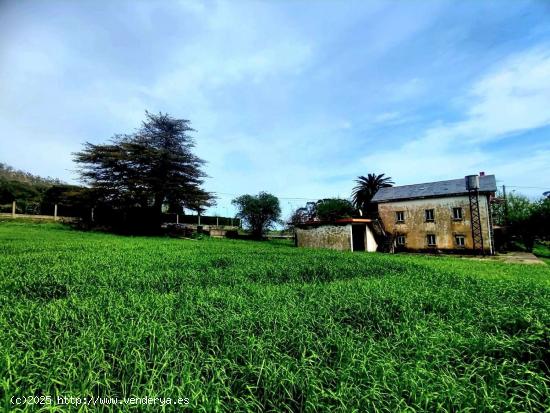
column 443, row 216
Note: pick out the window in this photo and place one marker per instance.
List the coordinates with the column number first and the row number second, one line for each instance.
column 457, row 214
column 400, row 240
column 460, row 240
column 430, row 238
column 430, row 215
column 400, row 216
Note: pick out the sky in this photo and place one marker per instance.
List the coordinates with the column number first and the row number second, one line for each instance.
column 296, row 98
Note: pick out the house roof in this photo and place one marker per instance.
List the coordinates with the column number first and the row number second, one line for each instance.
column 487, row 183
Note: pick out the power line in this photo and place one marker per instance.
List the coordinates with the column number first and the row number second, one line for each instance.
column 528, row 187
column 280, row 197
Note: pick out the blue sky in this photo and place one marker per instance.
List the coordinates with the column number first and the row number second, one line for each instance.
column 296, row 98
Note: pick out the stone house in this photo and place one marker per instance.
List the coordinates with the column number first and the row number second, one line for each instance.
column 446, row 216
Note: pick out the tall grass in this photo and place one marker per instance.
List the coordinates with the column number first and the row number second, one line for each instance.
column 243, row 326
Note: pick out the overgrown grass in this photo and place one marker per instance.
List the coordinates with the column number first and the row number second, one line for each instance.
column 542, row 250
column 245, row 326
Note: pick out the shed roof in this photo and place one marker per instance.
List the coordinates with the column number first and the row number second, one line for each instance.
column 340, row 221
column 487, row 183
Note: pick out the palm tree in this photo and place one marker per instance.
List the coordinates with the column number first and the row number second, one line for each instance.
column 366, row 188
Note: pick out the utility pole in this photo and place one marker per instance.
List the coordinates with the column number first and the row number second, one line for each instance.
column 505, row 205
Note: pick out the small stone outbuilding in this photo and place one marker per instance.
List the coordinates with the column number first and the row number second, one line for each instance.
column 347, row 234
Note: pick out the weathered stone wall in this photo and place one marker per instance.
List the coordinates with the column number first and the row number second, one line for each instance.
column 415, row 227
column 336, row 237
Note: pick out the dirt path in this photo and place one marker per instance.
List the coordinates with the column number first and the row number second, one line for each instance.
column 517, row 257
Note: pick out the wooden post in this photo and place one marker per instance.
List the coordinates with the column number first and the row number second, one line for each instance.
column 177, row 218
column 55, row 212
column 217, row 221
column 13, row 209
column 199, row 219
column 92, row 215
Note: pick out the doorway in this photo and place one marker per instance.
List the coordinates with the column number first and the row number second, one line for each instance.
column 358, row 237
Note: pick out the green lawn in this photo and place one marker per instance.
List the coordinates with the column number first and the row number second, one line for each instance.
column 247, row 326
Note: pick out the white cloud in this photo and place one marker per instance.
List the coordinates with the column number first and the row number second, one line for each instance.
column 516, row 97
column 512, row 98
column 386, row 117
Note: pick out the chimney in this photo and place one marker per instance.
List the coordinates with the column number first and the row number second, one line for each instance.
column 482, row 173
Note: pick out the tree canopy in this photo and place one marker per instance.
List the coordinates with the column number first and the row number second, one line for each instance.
column 153, row 167
column 258, row 212
column 367, row 187
column 334, row 208
column 526, row 220
column 328, row 209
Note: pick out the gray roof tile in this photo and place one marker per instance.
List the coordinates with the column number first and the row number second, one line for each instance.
column 487, row 183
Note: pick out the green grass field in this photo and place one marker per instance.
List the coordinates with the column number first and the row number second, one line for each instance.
column 247, row 326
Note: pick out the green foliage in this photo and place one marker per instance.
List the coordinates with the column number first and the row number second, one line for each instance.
column 258, row 212
column 72, row 200
column 520, row 208
column 150, row 168
column 328, row 209
column 526, row 219
column 302, row 215
column 36, row 195
column 19, row 191
column 241, row 326
column 22, row 187
column 334, row 208
column 542, row 249
column 366, row 188
column 11, row 174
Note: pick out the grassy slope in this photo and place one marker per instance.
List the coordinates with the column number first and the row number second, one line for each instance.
column 240, row 326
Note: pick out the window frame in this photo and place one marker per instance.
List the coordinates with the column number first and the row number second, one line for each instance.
column 398, row 237
column 397, row 220
column 434, row 244
column 455, row 218
column 432, row 213
column 463, row 237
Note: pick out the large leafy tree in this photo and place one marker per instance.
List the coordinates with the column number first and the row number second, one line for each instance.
column 367, row 187
column 526, row 220
column 302, row 215
column 258, row 212
column 331, row 209
column 328, row 209
column 153, row 167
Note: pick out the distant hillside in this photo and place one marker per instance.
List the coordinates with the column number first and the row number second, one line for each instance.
column 8, row 173
column 26, row 189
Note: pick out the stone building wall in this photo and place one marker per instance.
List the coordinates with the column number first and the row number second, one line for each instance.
column 336, row 237
column 415, row 228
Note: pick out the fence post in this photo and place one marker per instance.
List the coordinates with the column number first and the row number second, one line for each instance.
column 217, row 221
column 55, row 212
column 13, row 209
column 92, row 215
column 177, row 219
column 199, row 219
